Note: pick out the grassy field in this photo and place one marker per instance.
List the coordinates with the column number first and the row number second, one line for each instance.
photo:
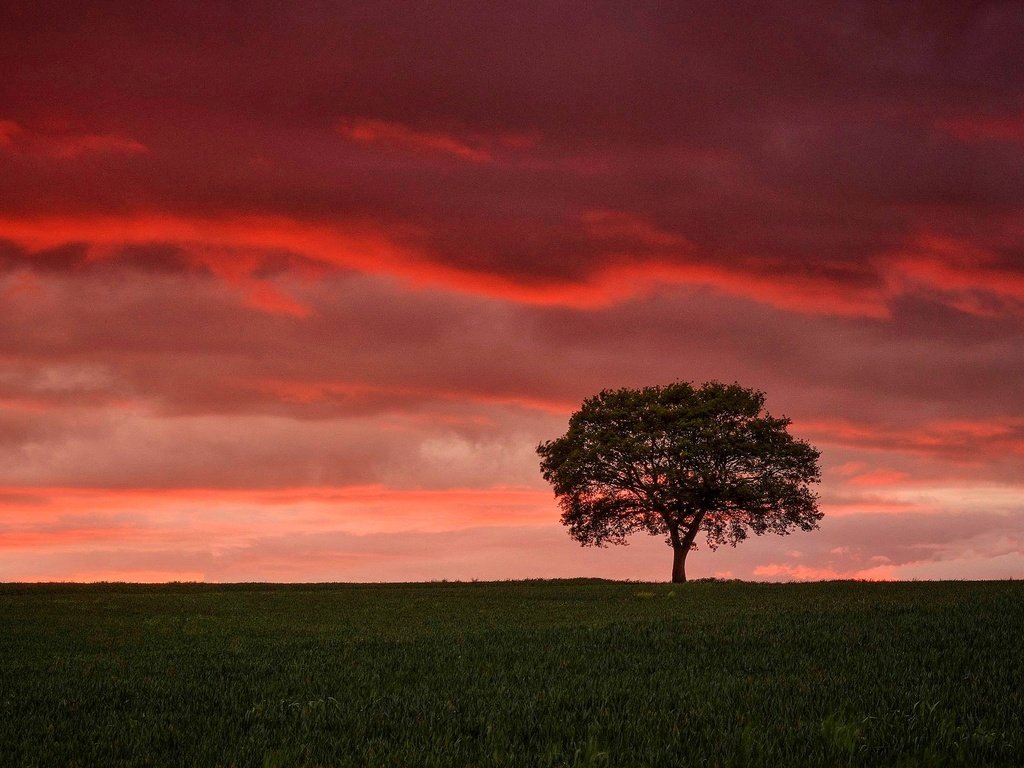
column 569, row 673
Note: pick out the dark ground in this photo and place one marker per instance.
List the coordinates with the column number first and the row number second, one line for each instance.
column 565, row 673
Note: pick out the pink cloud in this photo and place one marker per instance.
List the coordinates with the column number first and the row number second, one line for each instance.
column 134, row 575
column 65, row 145
column 959, row 270
column 376, row 533
column 786, row 571
column 879, row 477
column 266, row 297
column 312, row 391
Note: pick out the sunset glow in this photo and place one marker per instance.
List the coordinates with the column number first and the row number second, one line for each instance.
column 293, row 292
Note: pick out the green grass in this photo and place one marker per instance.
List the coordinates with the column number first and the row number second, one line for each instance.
column 569, row 673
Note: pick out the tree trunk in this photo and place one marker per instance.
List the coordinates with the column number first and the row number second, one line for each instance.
column 679, row 553
column 681, row 545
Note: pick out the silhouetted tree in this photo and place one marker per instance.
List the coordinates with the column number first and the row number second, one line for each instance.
column 674, row 460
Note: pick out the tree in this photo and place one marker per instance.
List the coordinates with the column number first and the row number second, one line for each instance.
column 674, row 460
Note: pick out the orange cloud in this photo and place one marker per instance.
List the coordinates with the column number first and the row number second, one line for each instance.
column 804, row 294
column 787, row 571
column 633, row 258
column 955, row 267
column 941, row 436
column 267, row 297
column 954, row 264
column 872, row 505
column 374, row 533
column 879, row 477
column 793, row 572
column 230, row 246
column 30, row 514
column 163, row 533
column 392, row 135
column 137, row 576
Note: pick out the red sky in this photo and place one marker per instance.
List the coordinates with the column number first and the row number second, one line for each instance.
column 292, row 291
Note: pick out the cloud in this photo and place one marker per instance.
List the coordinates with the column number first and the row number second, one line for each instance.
column 795, row 572
column 64, row 145
column 340, row 260
column 267, row 297
column 1003, row 128
column 240, row 248
column 879, row 477
column 816, row 183
column 372, row 534
column 969, row 278
column 956, row 439
column 370, row 346
column 396, row 136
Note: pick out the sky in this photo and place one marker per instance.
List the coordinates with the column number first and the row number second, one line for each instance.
column 292, row 291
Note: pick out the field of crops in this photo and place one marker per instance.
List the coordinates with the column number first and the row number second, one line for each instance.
column 569, row 673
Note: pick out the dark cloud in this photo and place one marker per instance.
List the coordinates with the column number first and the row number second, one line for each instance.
column 805, row 134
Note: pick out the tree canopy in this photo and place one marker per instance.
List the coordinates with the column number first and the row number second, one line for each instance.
column 675, row 460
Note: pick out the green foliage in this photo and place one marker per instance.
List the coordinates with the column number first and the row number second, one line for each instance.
column 571, row 673
column 679, row 459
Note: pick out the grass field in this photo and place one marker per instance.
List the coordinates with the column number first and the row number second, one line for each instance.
column 569, row 673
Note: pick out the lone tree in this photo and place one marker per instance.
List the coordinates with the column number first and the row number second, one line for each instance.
column 678, row 459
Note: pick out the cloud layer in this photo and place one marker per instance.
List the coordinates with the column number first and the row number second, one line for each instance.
column 296, row 293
